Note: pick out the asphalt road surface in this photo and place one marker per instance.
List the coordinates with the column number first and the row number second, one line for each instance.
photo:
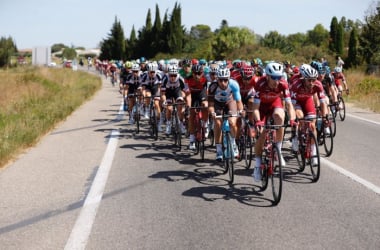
column 93, row 183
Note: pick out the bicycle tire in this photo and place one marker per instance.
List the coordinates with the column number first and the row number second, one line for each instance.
column 333, row 125
column 315, row 169
column 153, row 123
column 328, row 141
column 300, row 154
column 230, row 160
column 178, row 132
column 341, row 108
column 275, row 174
column 137, row 118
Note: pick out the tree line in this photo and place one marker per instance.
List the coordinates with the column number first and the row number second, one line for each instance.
column 355, row 41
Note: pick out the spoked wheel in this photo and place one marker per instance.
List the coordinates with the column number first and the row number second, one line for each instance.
column 314, row 160
column 333, row 125
column 300, row 155
column 202, row 149
column 137, row 120
column 275, row 174
column 328, row 140
column 241, row 148
column 341, row 108
column 228, row 159
column 153, row 123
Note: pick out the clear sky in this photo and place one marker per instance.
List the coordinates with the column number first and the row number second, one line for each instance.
column 85, row 23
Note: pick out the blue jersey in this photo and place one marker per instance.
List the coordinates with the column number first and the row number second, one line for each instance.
column 232, row 92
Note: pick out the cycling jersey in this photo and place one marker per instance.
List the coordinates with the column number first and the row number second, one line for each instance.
column 225, row 95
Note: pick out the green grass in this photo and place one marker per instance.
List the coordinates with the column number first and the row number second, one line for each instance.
column 34, row 100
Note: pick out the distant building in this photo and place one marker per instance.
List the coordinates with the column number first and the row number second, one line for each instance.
column 41, row 56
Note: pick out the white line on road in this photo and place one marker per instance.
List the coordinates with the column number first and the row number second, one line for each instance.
column 363, row 119
column 83, row 225
column 353, row 176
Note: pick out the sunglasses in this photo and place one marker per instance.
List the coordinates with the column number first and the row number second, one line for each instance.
column 135, row 71
column 197, row 73
column 223, row 80
column 276, row 78
column 173, row 75
column 247, row 78
column 152, row 72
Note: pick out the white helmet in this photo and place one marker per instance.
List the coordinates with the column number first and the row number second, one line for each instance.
column 274, row 69
column 172, row 69
column 152, row 66
column 223, row 73
column 337, row 69
column 308, row 72
column 135, row 67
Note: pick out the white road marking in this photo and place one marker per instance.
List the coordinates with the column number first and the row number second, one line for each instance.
column 363, row 119
column 353, row 176
column 83, row 225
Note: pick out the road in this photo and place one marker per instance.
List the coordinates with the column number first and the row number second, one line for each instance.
column 92, row 183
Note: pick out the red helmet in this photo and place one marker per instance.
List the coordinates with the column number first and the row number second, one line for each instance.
column 194, row 61
column 296, row 70
column 247, row 72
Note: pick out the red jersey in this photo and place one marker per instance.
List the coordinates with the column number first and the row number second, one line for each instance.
column 300, row 93
column 245, row 88
column 196, row 86
column 267, row 96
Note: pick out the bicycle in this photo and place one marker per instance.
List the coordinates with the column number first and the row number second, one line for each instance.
column 200, row 131
column 305, row 155
column 271, row 167
column 245, row 142
column 228, row 151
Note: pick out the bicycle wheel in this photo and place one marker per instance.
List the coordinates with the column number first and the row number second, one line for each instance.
column 153, row 123
column 178, row 140
column 315, row 165
column 264, row 172
column 137, row 118
column 275, row 174
column 328, row 140
column 333, row 125
column 230, row 160
column 341, row 108
column 241, row 147
column 248, row 147
column 300, row 154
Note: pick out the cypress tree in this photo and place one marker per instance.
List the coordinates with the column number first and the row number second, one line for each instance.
column 333, row 34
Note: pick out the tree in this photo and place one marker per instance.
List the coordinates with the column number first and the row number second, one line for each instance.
column 199, row 43
column 113, row 48
column 275, row 40
column 318, row 36
column 176, row 31
column 7, row 49
column 353, row 56
column 370, row 37
column 333, row 34
column 339, row 42
column 69, row 53
column 230, row 38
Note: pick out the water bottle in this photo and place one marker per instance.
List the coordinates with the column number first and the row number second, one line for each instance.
column 319, row 123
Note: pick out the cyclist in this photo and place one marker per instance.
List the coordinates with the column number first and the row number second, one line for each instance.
column 133, row 86
column 339, row 77
column 124, row 74
column 151, row 83
column 185, row 70
column 288, row 70
column 173, row 87
column 197, row 84
column 303, row 92
column 247, row 80
column 225, row 96
column 270, row 89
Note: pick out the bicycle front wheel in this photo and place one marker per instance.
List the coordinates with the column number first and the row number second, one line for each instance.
column 314, row 161
column 230, row 160
column 328, row 140
column 248, row 148
column 341, row 108
column 275, row 174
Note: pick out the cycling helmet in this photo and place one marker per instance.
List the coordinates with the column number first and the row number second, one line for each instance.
column 296, row 70
column 152, row 67
column 202, row 62
column 194, row 61
column 172, row 69
column 214, row 68
column 197, row 68
column 308, row 72
column 224, row 73
column 318, row 66
column 274, row 69
column 327, row 69
column 186, row 62
column 237, row 64
column 247, row 72
column 287, row 63
column 142, row 60
column 337, row 69
column 128, row 64
column 135, row 67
